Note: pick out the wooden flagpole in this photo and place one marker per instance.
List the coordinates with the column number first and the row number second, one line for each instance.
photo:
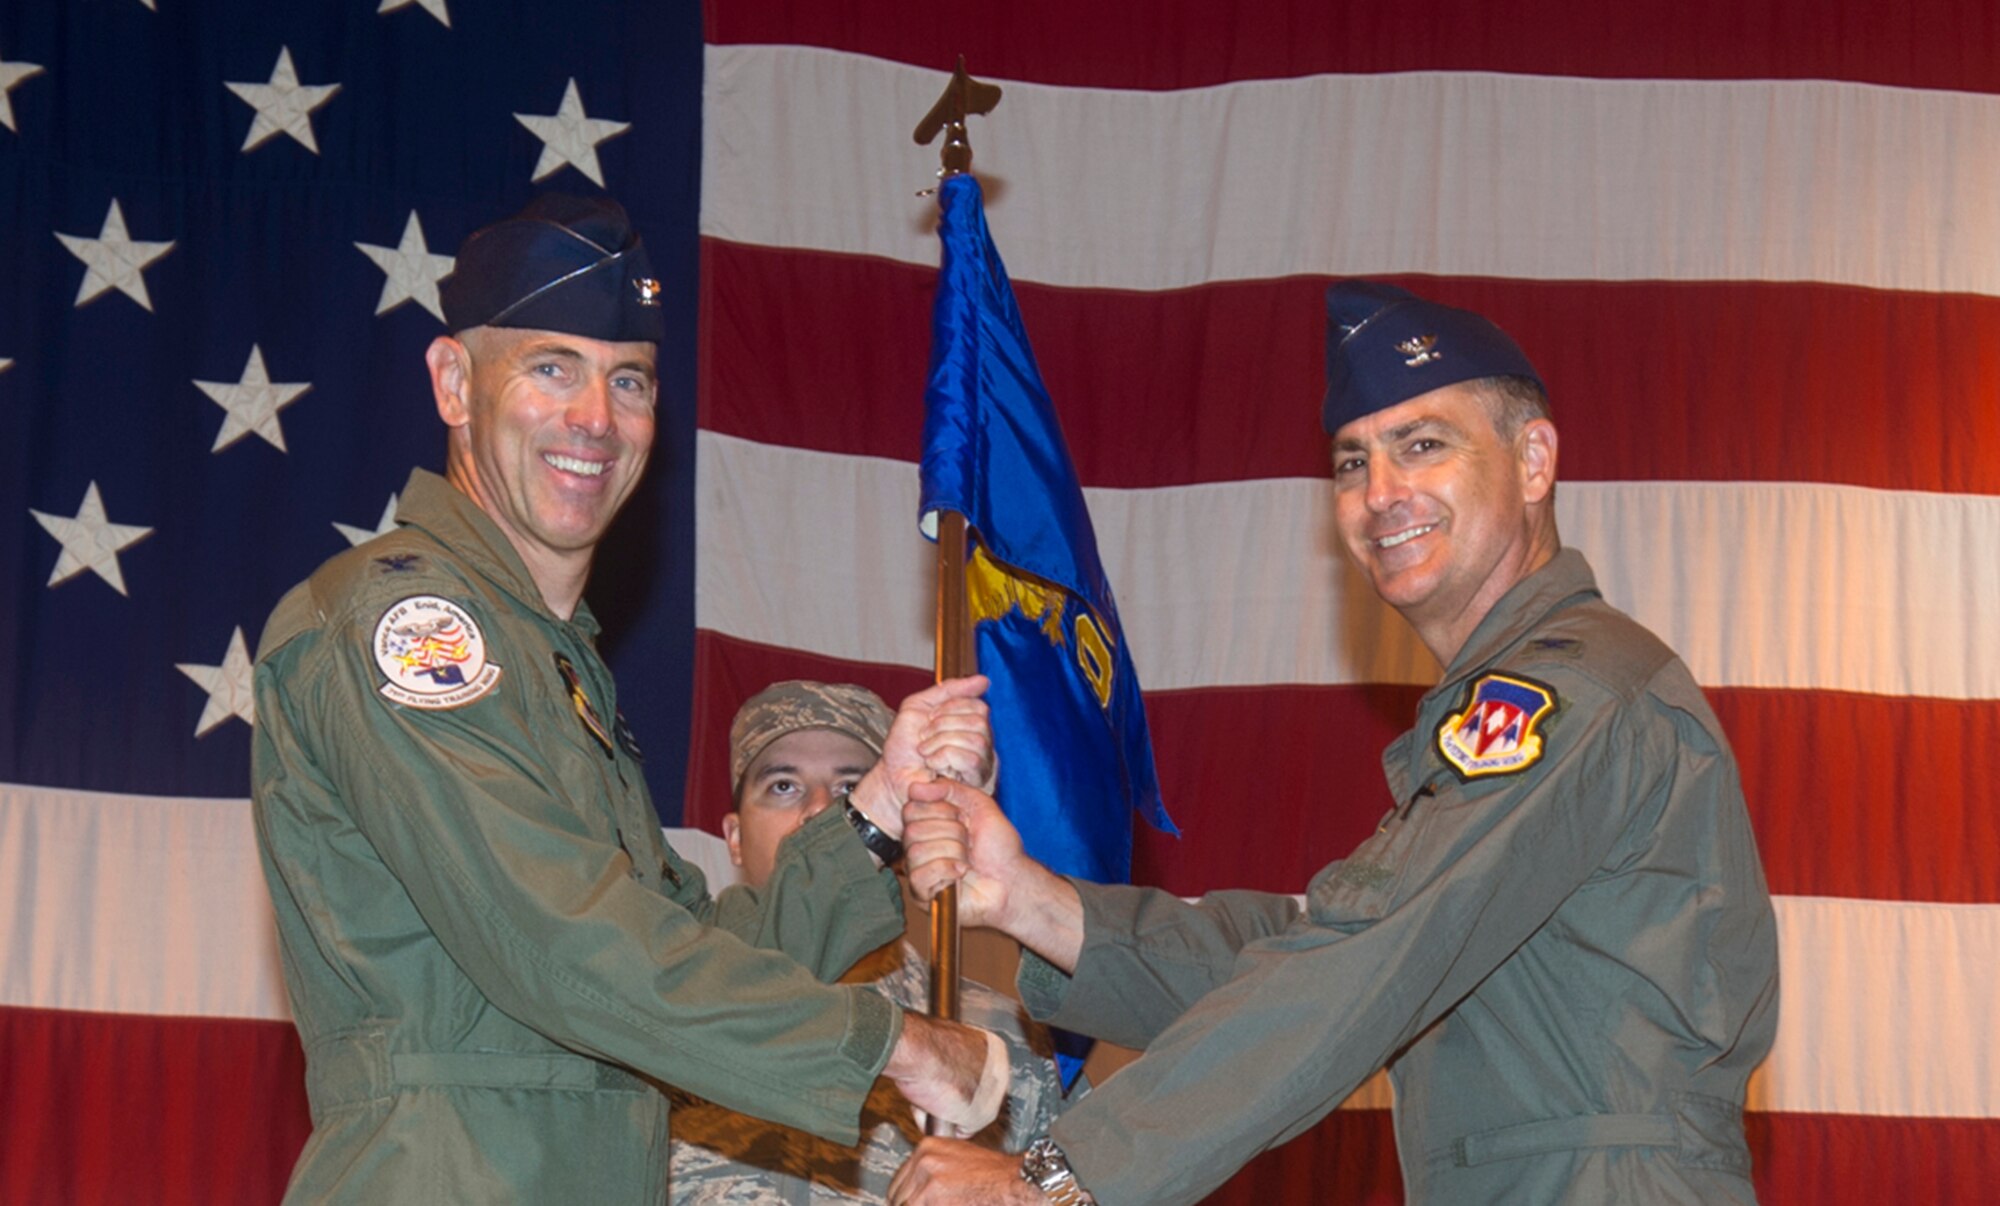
column 955, row 657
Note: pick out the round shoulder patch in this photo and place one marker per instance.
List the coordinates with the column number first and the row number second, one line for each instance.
column 432, row 653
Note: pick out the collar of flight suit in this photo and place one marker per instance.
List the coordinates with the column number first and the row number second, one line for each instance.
column 1519, row 612
column 451, row 517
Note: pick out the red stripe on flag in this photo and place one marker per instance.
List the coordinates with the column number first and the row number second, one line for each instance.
column 1192, row 43
column 1822, row 820
column 113, row 1108
column 1860, row 1158
column 1351, row 1158
column 1870, row 796
column 1709, row 381
column 116, row 1108
column 1824, row 773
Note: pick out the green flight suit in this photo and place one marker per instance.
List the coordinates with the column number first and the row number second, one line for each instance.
column 1568, row 961
column 492, row 954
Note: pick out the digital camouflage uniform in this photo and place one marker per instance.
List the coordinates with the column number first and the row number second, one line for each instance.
column 723, row 1158
column 1569, row 955
column 484, row 935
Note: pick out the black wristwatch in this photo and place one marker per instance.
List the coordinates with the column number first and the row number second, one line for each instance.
column 879, row 843
column 1045, row 1167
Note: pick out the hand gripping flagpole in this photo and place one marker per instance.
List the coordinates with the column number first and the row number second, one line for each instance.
column 955, row 656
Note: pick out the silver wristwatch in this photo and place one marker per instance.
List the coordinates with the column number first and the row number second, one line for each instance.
column 1045, row 1167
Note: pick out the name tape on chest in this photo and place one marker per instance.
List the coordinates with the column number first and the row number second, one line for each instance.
column 1495, row 733
column 432, row 654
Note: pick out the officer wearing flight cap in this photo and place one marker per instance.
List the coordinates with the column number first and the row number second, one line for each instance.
column 1559, row 940
column 493, row 957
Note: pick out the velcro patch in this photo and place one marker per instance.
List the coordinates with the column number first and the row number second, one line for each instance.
column 432, row 653
column 1495, row 732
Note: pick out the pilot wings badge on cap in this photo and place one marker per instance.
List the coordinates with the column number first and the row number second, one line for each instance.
column 1495, row 733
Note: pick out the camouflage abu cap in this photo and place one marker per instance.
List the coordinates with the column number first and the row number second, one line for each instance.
column 787, row 707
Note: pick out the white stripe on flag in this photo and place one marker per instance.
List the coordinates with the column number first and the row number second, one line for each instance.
column 1885, row 1007
column 135, row 904
column 1780, row 585
column 157, row 905
column 1532, row 177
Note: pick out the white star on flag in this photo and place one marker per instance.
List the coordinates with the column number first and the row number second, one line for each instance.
column 570, row 137
column 115, row 260
column 362, row 535
column 434, row 7
column 413, row 270
column 10, row 75
column 284, row 106
column 228, row 686
column 253, row 403
column 5, row 363
column 90, row 541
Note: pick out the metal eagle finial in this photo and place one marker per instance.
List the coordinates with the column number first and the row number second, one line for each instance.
column 962, row 98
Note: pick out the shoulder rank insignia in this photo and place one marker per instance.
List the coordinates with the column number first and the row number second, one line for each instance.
column 581, row 702
column 432, row 654
column 1559, row 646
column 1495, row 732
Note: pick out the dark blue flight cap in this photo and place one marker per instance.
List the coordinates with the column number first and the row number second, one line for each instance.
column 570, row 264
column 1386, row 345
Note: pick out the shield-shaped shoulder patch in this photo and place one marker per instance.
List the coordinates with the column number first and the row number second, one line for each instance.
column 1495, row 733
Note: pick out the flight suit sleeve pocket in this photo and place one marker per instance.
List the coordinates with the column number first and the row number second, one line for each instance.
column 1362, row 887
column 1425, row 833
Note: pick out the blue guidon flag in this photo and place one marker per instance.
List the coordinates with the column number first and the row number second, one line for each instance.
column 1068, row 722
column 1495, row 733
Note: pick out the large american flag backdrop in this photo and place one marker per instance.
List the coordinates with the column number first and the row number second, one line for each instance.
column 222, row 223
column 1754, row 247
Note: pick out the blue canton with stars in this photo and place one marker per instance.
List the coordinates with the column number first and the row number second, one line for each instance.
column 224, row 225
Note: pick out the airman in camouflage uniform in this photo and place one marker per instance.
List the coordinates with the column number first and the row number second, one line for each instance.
column 725, row 1158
